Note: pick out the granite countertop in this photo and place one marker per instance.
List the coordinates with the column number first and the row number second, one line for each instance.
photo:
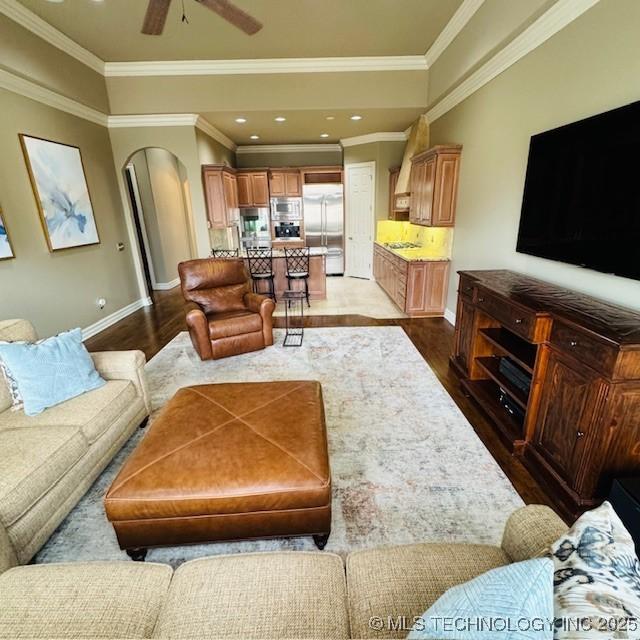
column 279, row 253
column 415, row 254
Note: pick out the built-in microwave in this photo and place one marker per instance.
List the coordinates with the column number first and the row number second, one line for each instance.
column 286, row 209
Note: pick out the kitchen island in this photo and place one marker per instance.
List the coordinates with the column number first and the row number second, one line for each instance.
column 317, row 274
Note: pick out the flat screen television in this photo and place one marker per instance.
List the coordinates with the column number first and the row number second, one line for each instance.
column 581, row 202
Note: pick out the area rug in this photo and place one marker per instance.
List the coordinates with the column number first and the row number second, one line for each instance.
column 406, row 465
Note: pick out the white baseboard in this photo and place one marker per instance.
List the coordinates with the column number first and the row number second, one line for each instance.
column 165, row 286
column 116, row 316
column 450, row 317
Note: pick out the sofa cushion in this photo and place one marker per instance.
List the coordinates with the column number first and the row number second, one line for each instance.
column 92, row 412
column 82, row 600
column 397, row 584
column 11, row 330
column 32, row 461
column 233, row 323
column 257, row 595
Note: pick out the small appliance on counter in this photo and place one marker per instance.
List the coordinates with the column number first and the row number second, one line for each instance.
column 254, row 228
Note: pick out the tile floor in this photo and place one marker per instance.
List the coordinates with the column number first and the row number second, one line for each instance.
column 351, row 296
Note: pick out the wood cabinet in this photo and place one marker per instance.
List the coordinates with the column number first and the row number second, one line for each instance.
column 417, row 288
column 221, row 195
column 285, row 183
column 253, row 188
column 398, row 209
column 578, row 425
column 434, row 186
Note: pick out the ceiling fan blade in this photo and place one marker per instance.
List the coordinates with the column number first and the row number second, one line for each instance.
column 236, row 16
column 155, row 17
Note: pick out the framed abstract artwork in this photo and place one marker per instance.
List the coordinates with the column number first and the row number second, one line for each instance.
column 6, row 251
column 62, row 195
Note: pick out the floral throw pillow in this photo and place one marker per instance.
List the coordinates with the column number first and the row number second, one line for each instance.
column 596, row 579
column 12, row 385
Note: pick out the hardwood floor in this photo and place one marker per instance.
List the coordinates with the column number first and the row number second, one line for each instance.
column 151, row 328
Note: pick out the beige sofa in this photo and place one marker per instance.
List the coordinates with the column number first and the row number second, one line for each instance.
column 264, row 595
column 47, row 462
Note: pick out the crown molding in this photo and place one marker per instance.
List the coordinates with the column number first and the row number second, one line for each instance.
column 171, row 120
column 206, row 127
column 265, row 65
column 153, row 120
column 457, row 23
column 31, row 90
column 288, row 148
column 30, row 21
column 389, row 136
column 548, row 24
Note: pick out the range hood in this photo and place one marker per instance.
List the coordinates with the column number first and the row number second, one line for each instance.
column 418, row 142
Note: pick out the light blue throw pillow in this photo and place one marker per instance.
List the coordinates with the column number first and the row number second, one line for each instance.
column 50, row 371
column 514, row 602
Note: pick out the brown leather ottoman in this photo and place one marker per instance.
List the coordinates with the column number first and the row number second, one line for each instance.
column 227, row 462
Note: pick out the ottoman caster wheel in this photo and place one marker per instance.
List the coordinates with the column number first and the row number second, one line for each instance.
column 321, row 540
column 137, row 555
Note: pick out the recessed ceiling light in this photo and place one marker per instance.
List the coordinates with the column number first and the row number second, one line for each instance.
column 241, row 120
column 324, row 135
column 356, row 117
column 255, row 137
column 331, row 117
column 280, row 119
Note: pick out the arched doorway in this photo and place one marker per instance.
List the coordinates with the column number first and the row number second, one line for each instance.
column 158, row 189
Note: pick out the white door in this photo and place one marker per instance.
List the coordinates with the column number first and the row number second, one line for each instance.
column 360, row 218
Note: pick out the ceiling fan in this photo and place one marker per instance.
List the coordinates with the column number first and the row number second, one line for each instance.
column 157, row 11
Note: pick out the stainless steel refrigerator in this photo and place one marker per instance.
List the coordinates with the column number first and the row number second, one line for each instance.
column 323, row 211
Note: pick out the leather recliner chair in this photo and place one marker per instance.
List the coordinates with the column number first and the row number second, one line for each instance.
column 223, row 316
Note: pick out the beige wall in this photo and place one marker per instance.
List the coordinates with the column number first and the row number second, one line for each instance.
column 289, row 91
column 181, row 142
column 166, row 217
column 589, row 67
column 386, row 155
column 210, row 151
column 58, row 290
column 25, row 54
column 494, row 24
column 289, row 159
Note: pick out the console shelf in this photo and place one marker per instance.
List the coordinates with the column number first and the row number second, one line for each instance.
column 522, row 352
column 581, row 424
column 490, row 366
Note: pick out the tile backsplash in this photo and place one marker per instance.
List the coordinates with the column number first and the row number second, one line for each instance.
column 436, row 241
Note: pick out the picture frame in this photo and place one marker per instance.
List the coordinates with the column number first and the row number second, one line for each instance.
column 59, row 184
column 6, row 248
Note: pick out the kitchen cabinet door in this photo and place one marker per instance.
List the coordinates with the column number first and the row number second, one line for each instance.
column 445, row 190
column 214, row 194
column 566, row 417
column 230, row 185
column 260, row 189
column 425, row 207
column 417, row 180
column 293, row 187
column 245, row 191
column 277, row 185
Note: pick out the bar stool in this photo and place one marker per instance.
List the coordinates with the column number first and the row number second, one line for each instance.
column 298, row 267
column 261, row 269
column 225, row 253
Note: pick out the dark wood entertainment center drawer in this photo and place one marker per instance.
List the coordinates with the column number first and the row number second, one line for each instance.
column 516, row 319
column 466, row 287
column 583, row 347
